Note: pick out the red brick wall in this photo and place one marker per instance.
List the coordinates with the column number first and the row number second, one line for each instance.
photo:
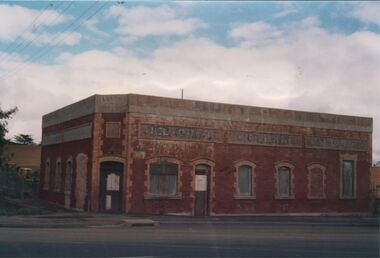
column 64, row 151
column 138, row 151
column 225, row 155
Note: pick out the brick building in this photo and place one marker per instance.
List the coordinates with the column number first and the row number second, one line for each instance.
column 375, row 182
column 154, row 155
column 26, row 158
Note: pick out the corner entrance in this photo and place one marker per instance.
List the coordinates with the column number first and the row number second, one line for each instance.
column 202, row 190
column 110, row 192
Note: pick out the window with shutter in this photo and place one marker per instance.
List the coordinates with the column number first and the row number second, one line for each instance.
column 163, row 178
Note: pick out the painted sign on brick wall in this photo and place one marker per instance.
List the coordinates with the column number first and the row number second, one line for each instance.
column 318, row 142
column 266, row 139
column 180, row 133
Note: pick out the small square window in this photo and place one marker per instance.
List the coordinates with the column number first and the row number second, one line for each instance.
column 113, row 130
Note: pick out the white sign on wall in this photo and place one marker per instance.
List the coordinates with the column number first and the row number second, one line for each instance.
column 113, row 182
column 200, row 183
column 108, row 202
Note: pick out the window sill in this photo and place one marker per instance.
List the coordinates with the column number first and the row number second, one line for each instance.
column 242, row 197
column 284, row 197
column 348, row 198
column 316, row 197
column 166, row 197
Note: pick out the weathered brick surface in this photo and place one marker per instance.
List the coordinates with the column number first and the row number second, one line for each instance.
column 97, row 142
column 136, row 150
column 64, row 151
column 264, row 157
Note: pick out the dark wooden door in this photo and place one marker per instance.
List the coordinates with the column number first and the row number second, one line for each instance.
column 202, row 186
column 111, row 186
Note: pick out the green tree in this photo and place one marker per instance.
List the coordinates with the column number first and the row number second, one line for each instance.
column 4, row 116
column 25, row 139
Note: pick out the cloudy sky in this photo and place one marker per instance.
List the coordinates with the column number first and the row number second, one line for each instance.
column 311, row 56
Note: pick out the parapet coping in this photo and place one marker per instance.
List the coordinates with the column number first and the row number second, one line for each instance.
column 135, row 103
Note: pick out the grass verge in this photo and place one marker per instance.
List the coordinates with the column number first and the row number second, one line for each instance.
column 10, row 209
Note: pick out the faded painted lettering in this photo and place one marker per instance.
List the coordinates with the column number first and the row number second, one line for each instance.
column 254, row 138
column 318, row 142
column 181, row 133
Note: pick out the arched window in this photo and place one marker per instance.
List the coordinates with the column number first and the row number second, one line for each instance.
column 163, row 177
column 68, row 176
column 245, row 179
column 47, row 175
column 81, row 181
column 58, row 176
column 348, row 176
column 316, row 181
column 284, row 180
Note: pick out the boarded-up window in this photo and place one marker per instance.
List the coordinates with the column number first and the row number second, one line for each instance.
column 284, row 182
column 245, row 180
column 348, row 179
column 58, row 176
column 113, row 130
column 81, row 181
column 47, row 175
column 163, row 178
column 68, row 176
column 316, row 183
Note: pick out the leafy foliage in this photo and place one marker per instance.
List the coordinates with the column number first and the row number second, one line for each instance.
column 4, row 116
column 25, row 139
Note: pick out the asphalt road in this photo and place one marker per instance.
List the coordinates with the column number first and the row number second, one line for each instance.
column 206, row 239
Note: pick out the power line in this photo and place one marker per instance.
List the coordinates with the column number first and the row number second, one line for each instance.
column 37, row 35
column 27, row 29
column 80, row 24
column 9, row 47
column 42, row 52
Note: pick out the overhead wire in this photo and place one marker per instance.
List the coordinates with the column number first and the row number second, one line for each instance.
column 31, row 25
column 37, row 35
column 42, row 52
column 9, row 50
column 74, row 29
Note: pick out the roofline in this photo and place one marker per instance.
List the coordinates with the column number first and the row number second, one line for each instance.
column 127, row 103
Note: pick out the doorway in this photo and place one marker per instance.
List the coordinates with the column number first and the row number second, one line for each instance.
column 202, row 190
column 110, row 192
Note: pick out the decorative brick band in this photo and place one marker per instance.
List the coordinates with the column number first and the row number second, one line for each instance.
column 68, row 135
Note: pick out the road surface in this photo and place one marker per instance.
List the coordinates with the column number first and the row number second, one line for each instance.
column 206, row 239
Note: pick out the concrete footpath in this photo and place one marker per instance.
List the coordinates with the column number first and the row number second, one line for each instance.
column 82, row 219
column 57, row 217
